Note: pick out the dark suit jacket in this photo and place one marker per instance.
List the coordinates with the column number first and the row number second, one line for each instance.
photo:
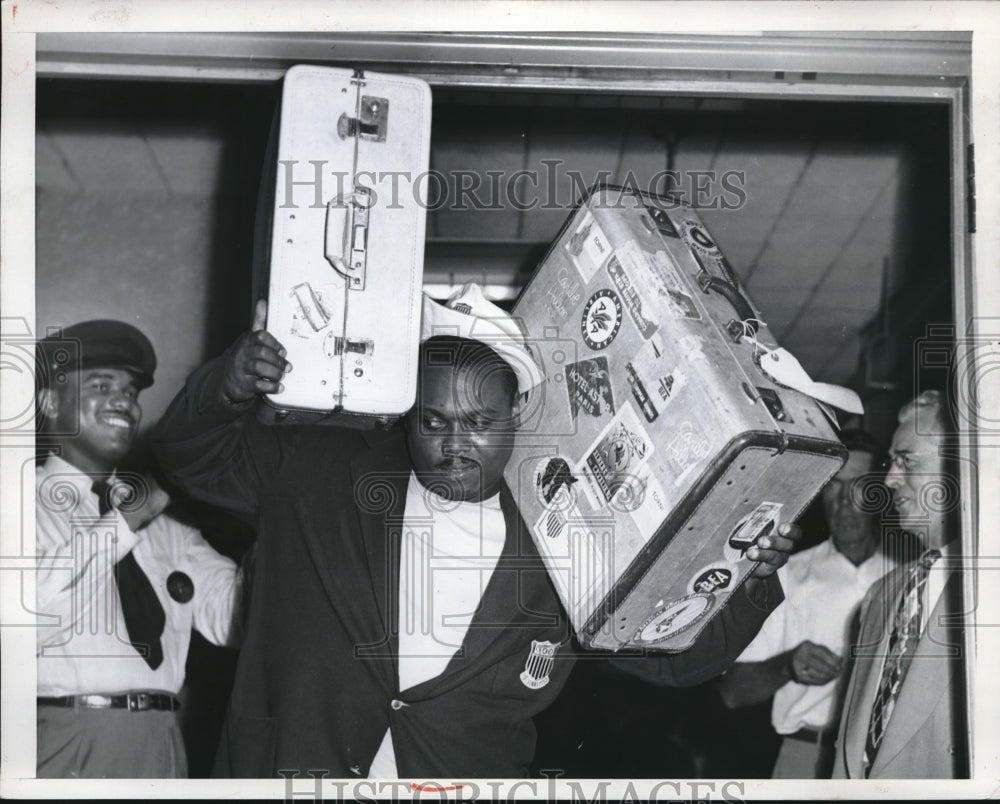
column 926, row 736
column 317, row 684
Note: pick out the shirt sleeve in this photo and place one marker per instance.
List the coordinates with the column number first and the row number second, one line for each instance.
column 218, row 590
column 75, row 587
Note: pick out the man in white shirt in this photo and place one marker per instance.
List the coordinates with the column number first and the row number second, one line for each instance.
column 905, row 709
column 799, row 654
column 402, row 623
column 120, row 584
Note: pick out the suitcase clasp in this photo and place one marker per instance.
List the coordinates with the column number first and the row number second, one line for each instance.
column 371, row 123
column 346, row 241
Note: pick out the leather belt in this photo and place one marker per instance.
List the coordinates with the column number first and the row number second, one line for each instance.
column 814, row 736
column 133, row 701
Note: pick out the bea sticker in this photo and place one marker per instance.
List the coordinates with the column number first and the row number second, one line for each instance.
column 674, row 619
column 713, row 578
column 602, row 318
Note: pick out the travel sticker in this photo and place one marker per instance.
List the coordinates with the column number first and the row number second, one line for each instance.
column 640, row 394
column 697, row 238
column 649, row 508
column 679, row 301
column 633, row 298
column 674, row 618
column 563, row 295
column 588, row 384
column 615, row 457
column 551, row 525
column 553, row 476
column 760, row 522
column 687, row 447
column 701, row 244
column 669, row 385
column 588, row 247
column 602, row 318
column 713, row 578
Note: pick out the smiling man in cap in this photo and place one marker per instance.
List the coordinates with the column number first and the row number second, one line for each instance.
column 120, row 584
column 402, row 623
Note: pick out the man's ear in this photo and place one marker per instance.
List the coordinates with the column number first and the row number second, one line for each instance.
column 48, row 402
column 518, row 408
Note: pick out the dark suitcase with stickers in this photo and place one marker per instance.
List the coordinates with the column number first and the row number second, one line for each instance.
column 659, row 449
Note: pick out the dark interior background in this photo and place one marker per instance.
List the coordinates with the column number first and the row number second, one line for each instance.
column 146, row 193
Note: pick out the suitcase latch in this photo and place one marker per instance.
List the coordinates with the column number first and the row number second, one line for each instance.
column 371, row 124
column 346, row 241
column 357, row 355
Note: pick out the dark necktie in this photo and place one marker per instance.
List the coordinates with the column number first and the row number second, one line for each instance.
column 141, row 609
column 903, row 639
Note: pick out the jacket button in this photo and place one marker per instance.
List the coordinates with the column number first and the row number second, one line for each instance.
column 397, row 704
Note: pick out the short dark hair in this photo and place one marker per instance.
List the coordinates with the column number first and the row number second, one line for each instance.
column 467, row 354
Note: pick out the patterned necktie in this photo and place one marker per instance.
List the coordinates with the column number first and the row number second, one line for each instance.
column 141, row 608
column 906, row 631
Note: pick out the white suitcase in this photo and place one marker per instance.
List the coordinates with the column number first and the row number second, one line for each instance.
column 346, row 243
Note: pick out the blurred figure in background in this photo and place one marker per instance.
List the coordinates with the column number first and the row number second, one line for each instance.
column 799, row 654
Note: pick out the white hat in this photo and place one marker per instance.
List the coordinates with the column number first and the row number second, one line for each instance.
column 467, row 313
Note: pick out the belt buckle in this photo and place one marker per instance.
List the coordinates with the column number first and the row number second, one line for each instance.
column 141, row 701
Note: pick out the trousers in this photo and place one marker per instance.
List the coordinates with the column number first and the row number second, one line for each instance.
column 76, row 743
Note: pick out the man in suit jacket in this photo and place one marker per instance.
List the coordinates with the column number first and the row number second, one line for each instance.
column 904, row 714
column 336, row 673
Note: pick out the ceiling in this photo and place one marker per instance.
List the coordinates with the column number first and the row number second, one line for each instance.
column 831, row 196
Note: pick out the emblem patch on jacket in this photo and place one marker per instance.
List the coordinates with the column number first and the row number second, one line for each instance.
column 541, row 657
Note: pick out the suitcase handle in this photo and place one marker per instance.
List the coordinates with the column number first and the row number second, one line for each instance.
column 748, row 320
column 345, row 241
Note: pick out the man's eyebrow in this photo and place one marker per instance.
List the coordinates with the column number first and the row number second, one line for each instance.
column 103, row 374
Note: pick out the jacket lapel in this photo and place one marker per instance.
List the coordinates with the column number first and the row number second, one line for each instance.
column 518, row 596
column 380, row 478
column 929, row 677
column 874, row 644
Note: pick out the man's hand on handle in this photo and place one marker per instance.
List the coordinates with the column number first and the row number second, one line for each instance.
column 256, row 364
column 772, row 550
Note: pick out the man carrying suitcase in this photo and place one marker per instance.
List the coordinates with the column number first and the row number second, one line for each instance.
column 401, row 623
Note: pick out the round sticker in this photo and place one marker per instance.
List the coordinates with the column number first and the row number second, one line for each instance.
column 554, row 483
column 602, row 318
column 674, row 618
column 713, row 578
column 698, row 238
